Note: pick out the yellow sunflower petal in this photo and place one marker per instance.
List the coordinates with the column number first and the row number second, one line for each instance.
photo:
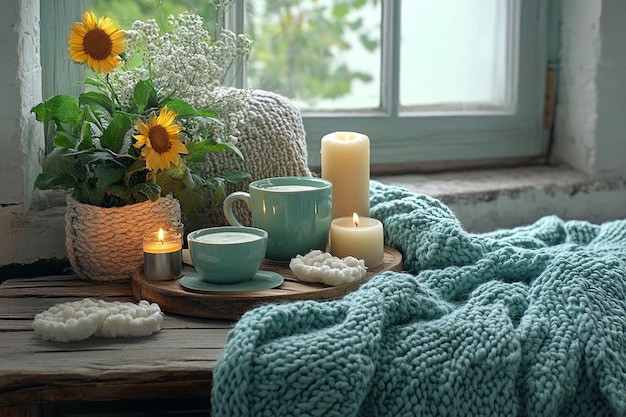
column 106, row 23
column 166, row 117
column 152, row 159
column 89, row 20
column 174, row 129
column 179, row 147
column 79, row 29
column 140, row 141
column 168, row 160
column 142, row 128
column 79, row 57
column 118, row 44
column 118, row 36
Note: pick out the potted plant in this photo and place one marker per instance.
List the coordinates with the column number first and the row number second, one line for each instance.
column 126, row 146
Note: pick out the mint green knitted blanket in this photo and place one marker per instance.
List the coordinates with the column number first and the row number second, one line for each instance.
column 523, row 322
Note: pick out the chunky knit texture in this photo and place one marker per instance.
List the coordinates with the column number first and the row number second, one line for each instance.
column 529, row 321
column 273, row 143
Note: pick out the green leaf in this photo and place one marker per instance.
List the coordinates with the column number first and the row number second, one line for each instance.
column 192, row 192
column 128, row 195
column 106, row 175
column 181, row 108
column 145, row 95
column 209, row 114
column 98, row 82
column 184, row 109
column 196, row 203
column 64, row 140
column 235, row 176
column 340, row 11
column 50, row 181
column 96, row 98
column 368, row 43
column 114, row 135
column 86, row 194
column 231, row 148
column 134, row 169
column 362, row 76
column 177, row 172
column 62, row 162
column 146, row 190
column 61, row 109
column 198, row 149
column 87, row 139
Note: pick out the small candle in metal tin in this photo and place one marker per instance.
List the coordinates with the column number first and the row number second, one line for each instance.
column 162, row 255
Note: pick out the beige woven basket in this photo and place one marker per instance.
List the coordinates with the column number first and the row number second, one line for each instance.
column 106, row 244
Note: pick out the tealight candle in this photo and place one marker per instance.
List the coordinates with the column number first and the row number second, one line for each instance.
column 360, row 237
column 162, row 255
column 346, row 164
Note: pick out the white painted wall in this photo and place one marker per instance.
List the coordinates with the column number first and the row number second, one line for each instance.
column 27, row 232
column 591, row 123
column 589, row 133
column 19, row 89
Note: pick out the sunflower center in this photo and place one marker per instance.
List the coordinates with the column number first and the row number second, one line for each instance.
column 159, row 139
column 97, row 44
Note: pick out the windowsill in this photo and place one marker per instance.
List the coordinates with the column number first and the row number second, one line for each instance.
column 486, row 184
column 490, row 199
column 483, row 200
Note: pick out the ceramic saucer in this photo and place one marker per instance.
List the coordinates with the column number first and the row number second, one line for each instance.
column 263, row 280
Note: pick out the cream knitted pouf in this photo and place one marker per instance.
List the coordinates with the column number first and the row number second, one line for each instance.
column 273, row 143
column 106, row 244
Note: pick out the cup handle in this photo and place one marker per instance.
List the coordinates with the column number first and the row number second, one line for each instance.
column 228, row 206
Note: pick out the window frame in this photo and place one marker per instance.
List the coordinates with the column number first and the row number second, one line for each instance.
column 433, row 141
column 415, row 142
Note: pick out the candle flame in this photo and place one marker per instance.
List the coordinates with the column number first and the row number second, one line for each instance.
column 355, row 219
column 161, row 235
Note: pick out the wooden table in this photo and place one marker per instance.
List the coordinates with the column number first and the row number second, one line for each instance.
column 172, row 368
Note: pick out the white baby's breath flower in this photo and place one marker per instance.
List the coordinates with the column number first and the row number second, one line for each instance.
column 189, row 64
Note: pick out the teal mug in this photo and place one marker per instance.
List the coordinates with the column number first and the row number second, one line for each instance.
column 295, row 211
column 227, row 255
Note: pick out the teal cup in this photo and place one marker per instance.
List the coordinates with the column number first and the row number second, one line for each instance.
column 295, row 211
column 227, row 255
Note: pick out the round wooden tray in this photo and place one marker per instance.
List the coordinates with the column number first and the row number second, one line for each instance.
column 173, row 298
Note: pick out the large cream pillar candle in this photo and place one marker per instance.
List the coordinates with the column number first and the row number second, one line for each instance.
column 361, row 237
column 346, row 164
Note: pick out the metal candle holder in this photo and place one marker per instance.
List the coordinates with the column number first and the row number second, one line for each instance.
column 162, row 255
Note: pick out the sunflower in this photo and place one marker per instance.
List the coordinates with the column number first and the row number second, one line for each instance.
column 97, row 43
column 159, row 139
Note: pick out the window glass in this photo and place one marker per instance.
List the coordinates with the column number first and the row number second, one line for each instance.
column 322, row 54
column 454, row 54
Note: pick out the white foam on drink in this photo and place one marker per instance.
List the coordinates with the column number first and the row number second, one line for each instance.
column 289, row 188
column 227, row 237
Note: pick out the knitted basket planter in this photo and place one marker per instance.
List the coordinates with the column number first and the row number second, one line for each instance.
column 105, row 244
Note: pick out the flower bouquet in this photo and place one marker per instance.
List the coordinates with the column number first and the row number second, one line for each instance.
column 136, row 132
column 153, row 109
